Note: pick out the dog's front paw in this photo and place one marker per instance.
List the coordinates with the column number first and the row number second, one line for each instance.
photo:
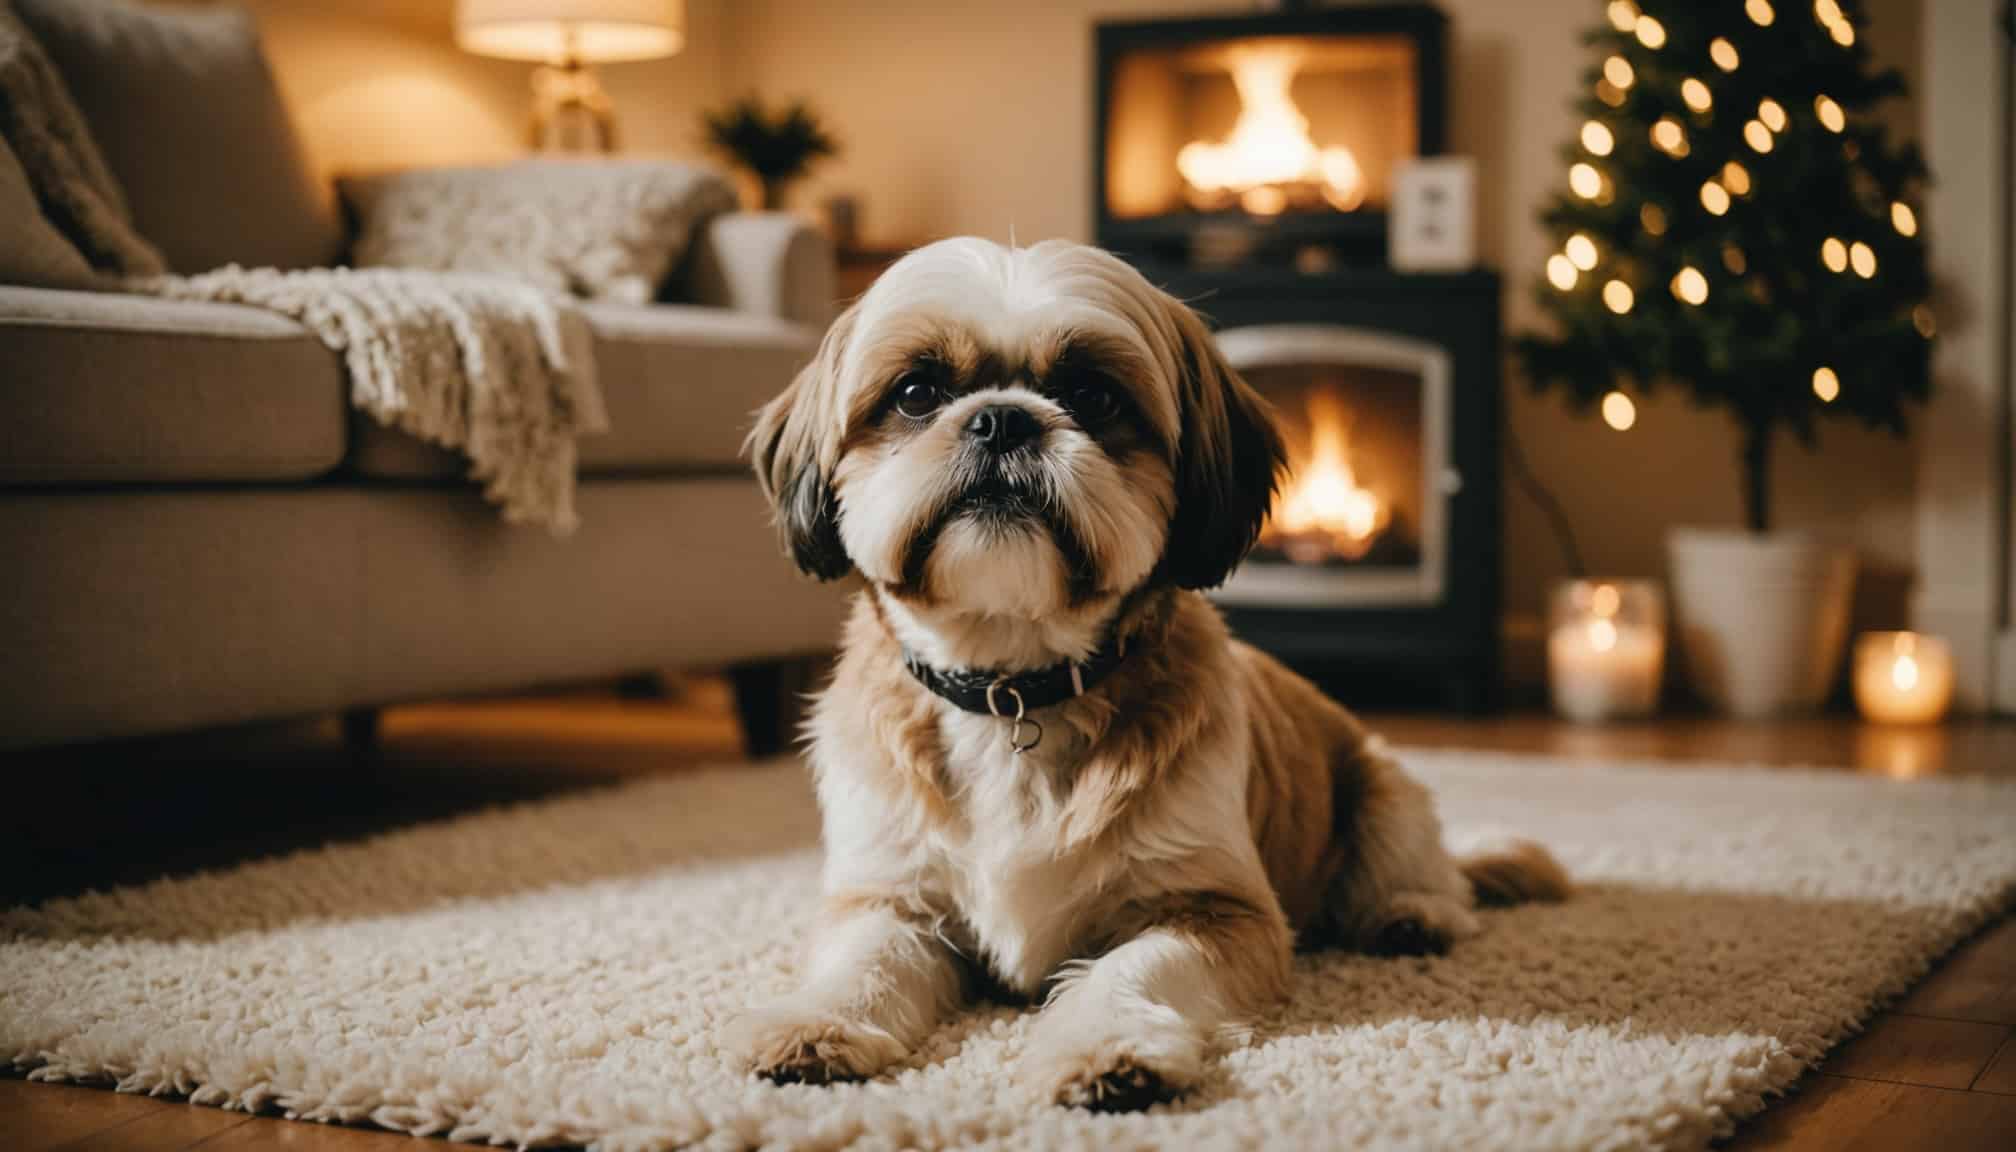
column 1116, row 1085
column 799, row 1047
column 1420, row 925
column 1115, row 1069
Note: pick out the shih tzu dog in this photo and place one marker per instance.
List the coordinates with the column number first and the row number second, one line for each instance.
column 1043, row 764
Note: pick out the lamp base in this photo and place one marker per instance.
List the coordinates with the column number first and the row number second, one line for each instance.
column 571, row 112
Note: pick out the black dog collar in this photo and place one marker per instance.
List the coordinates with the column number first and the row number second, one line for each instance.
column 1012, row 696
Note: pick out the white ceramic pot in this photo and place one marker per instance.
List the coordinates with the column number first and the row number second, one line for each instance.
column 1762, row 619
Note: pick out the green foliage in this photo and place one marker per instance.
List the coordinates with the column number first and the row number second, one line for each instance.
column 1775, row 312
column 778, row 148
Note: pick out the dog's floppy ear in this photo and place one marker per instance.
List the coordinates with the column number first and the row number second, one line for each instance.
column 1228, row 460
column 793, row 449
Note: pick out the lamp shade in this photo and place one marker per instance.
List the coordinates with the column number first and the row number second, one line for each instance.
column 557, row 30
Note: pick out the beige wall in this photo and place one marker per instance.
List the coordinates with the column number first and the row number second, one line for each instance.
column 380, row 83
column 1965, row 504
column 976, row 117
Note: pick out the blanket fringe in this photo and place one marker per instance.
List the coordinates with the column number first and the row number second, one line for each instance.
column 489, row 367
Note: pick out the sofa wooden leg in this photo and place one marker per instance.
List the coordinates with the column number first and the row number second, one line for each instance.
column 360, row 732
column 769, row 700
column 642, row 686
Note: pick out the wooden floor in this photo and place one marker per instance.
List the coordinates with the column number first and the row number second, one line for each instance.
column 1938, row 1071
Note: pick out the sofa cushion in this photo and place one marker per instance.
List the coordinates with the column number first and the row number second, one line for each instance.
column 185, row 108
column 32, row 251
column 104, row 388
column 601, row 229
column 53, row 160
column 682, row 385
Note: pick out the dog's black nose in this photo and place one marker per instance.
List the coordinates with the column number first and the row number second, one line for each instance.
column 1003, row 427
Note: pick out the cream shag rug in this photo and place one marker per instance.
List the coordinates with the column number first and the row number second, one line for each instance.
column 559, row 974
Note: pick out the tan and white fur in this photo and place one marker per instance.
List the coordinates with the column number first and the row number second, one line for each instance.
column 1148, row 867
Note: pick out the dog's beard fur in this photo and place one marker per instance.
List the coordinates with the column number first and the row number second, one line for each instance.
column 1148, row 859
column 948, row 530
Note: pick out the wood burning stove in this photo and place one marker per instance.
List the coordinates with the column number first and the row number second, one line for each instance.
column 1243, row 164
column 1230, row 137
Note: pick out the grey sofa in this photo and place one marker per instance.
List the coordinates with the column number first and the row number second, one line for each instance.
column 198, row 530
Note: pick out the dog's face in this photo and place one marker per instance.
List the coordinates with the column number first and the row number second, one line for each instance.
column 1018, row 432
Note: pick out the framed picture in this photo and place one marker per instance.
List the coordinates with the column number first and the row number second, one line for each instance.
column 1434, row 222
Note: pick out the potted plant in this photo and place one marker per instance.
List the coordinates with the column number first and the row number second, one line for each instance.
column 775, row 149
column 1739, row 225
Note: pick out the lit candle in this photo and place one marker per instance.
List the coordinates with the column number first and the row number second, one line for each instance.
column 1606, row 648
column 1902, row 677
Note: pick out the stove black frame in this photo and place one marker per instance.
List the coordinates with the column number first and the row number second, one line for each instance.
column 1444, row 653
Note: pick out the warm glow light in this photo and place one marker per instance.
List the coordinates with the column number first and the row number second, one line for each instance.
column 1602, row 634
column 1609, row 93
column 1772, row 113
column 1585, row 181
column 1266, row 200
column 1324, row 498
column 1581, row 251
column 1902, row 677
column 1905, row 220
column 1760, row 12
column 1723, row 53
column 1826, row 385
column 1923, row 320
column 1827, row 11
column 1829, row 113
column 1653, row 218
column 1736, row 178
column 1618, row 71
column 1617, row 297
column 1269, row 149
column 1843, row 33
column 1904, row 673
column 1651, row 33
column 1696, row 94
column 1757, row 135
column 594, row 31
column 1690, row 285
column 1668, row 137
column 1623, row 15
column 1561, row 271
column 1604, row 599
column 1714, row 198
column 1834, row 254
column 1863, row 258
column 1618, row 410
column 1732, row 259
column 1596, row 138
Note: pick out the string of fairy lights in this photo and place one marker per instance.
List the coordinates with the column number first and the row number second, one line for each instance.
column 1580, row 256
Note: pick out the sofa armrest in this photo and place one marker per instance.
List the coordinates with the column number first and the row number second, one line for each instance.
column 770, row 263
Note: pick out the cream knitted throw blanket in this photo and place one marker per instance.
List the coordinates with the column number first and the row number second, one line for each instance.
column 491, row 367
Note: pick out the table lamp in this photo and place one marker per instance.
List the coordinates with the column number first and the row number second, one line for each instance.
column 570, row 111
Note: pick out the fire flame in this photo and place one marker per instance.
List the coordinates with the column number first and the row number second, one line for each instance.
column 1269, row 152
column 1324, row 502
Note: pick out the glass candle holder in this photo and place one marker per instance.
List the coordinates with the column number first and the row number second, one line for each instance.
column 1903, row 677
column 1606, row 649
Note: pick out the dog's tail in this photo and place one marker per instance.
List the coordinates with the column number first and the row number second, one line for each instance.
column 1514, row 871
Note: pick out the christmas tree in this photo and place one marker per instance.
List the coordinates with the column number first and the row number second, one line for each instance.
column 1737, row 224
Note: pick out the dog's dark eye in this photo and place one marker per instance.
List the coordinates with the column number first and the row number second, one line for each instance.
column 1092, row 402
column 917, row 398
